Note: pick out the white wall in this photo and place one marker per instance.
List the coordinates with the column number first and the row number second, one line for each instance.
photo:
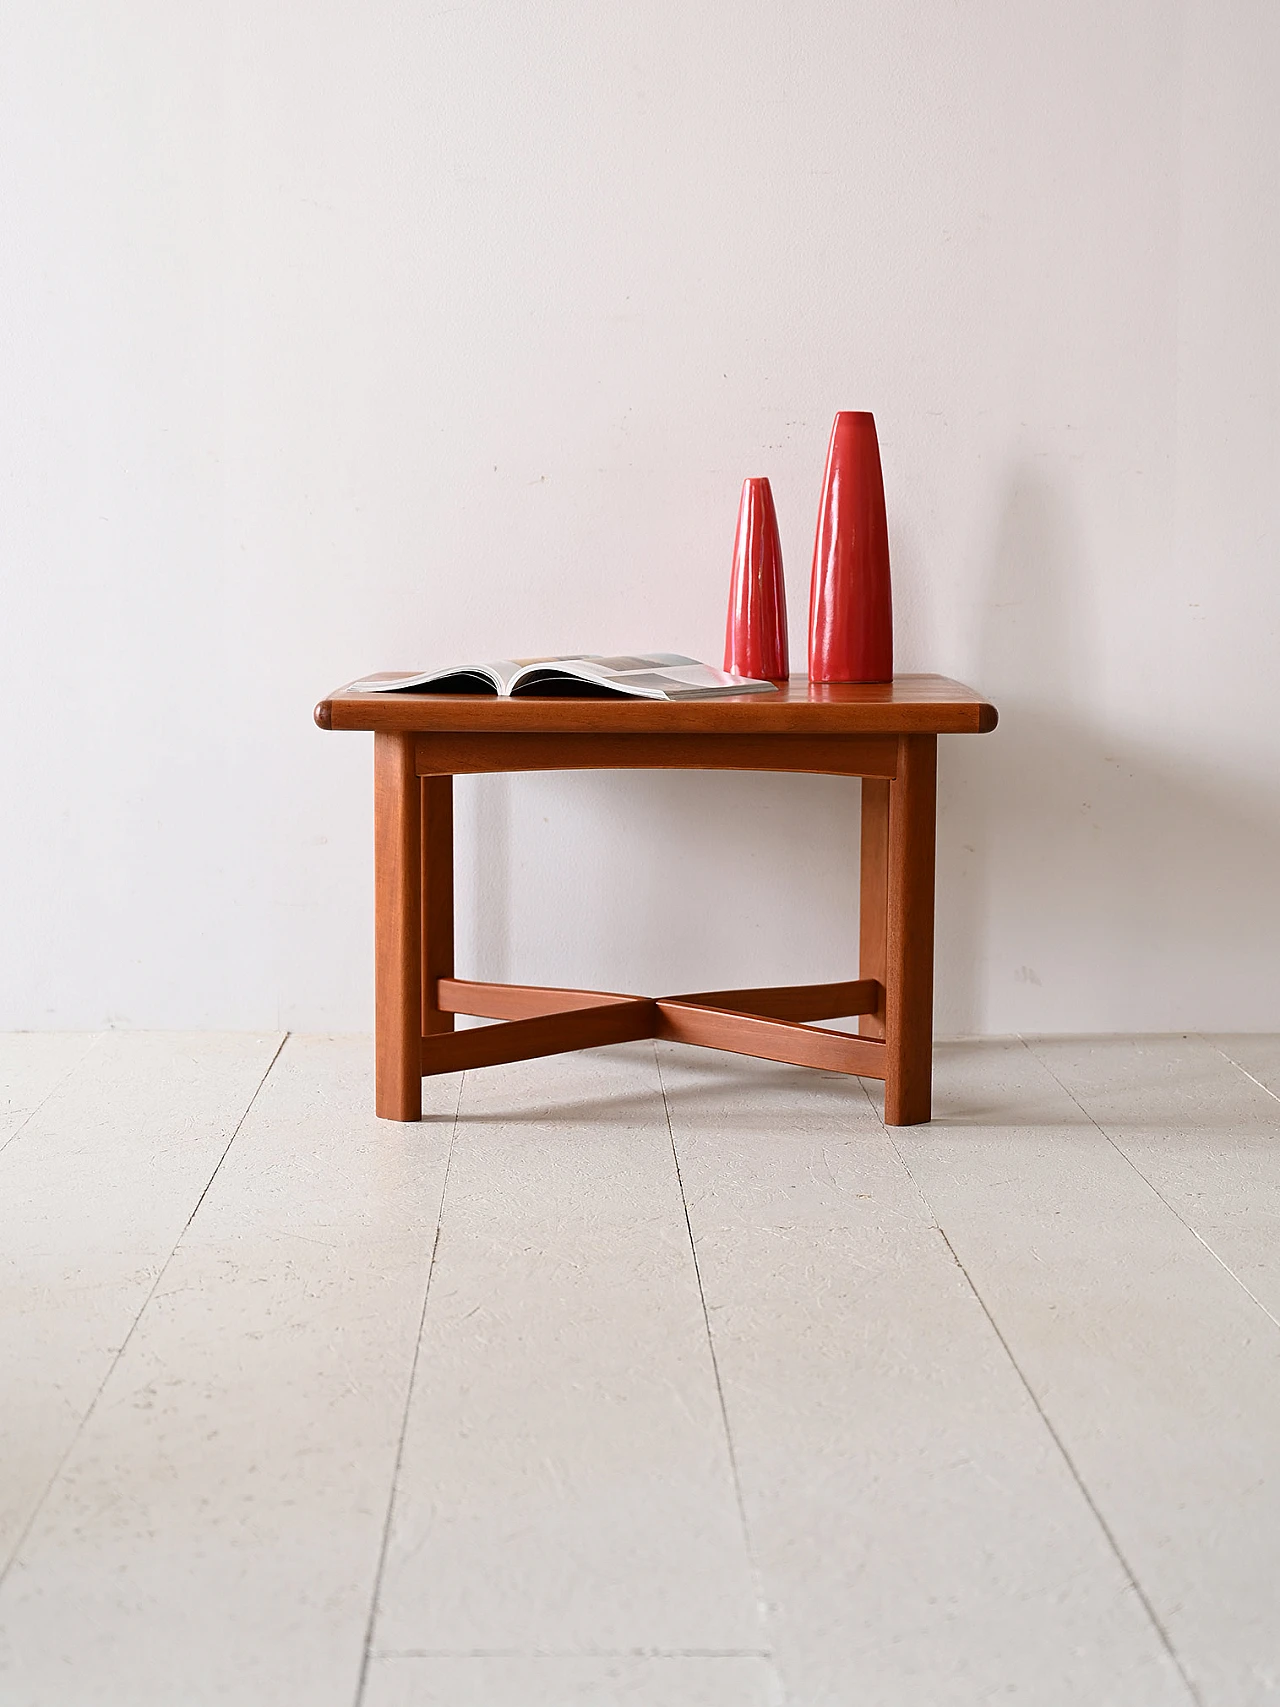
column 341, row 336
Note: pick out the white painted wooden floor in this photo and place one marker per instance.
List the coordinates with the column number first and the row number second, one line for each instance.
column 658, row 1378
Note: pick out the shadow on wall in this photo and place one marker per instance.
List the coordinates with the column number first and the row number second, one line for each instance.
column 1089, row 881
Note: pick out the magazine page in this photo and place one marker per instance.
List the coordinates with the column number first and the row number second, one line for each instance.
column 642, row 675
column 645, row 675
column 467, row 678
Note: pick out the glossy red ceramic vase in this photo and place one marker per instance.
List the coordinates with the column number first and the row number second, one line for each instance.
column 850, row 610
column 755, row 636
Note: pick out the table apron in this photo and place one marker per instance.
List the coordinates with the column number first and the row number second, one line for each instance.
column 459, row 753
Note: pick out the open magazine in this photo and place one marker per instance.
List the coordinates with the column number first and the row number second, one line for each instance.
column 647, row 675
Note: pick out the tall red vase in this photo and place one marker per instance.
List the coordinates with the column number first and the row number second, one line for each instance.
column 755, row 636
column 850, row 608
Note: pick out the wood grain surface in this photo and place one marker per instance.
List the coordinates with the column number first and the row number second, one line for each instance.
column 908, row 978
column 908, row 705
column 541, row 1034
column 518, row 1001
column 397, row 861
column 437, row 898
column 798, row 1002
column 463, row 752
column 770, row 1039
column 873, row 879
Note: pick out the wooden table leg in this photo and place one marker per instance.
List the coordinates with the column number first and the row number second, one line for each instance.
column 397, row 839
column 909, row 948
column 873, row 914
column 437, row 898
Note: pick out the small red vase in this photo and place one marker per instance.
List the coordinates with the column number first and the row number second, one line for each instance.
column 850, row 609
column 755, row 636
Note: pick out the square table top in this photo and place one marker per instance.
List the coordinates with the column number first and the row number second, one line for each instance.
column 909, row 705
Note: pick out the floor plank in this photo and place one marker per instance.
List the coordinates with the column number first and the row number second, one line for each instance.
column 561, row 1681
column 94, row 1191
column 1160, row 1375
column 919, row 1537
column 32, row 1065
column 1204, row 1134
column 215, row 1535
column 1257, row 1055
column 566, row 1482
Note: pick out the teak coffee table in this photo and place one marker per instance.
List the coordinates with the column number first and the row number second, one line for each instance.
column 887, row 735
